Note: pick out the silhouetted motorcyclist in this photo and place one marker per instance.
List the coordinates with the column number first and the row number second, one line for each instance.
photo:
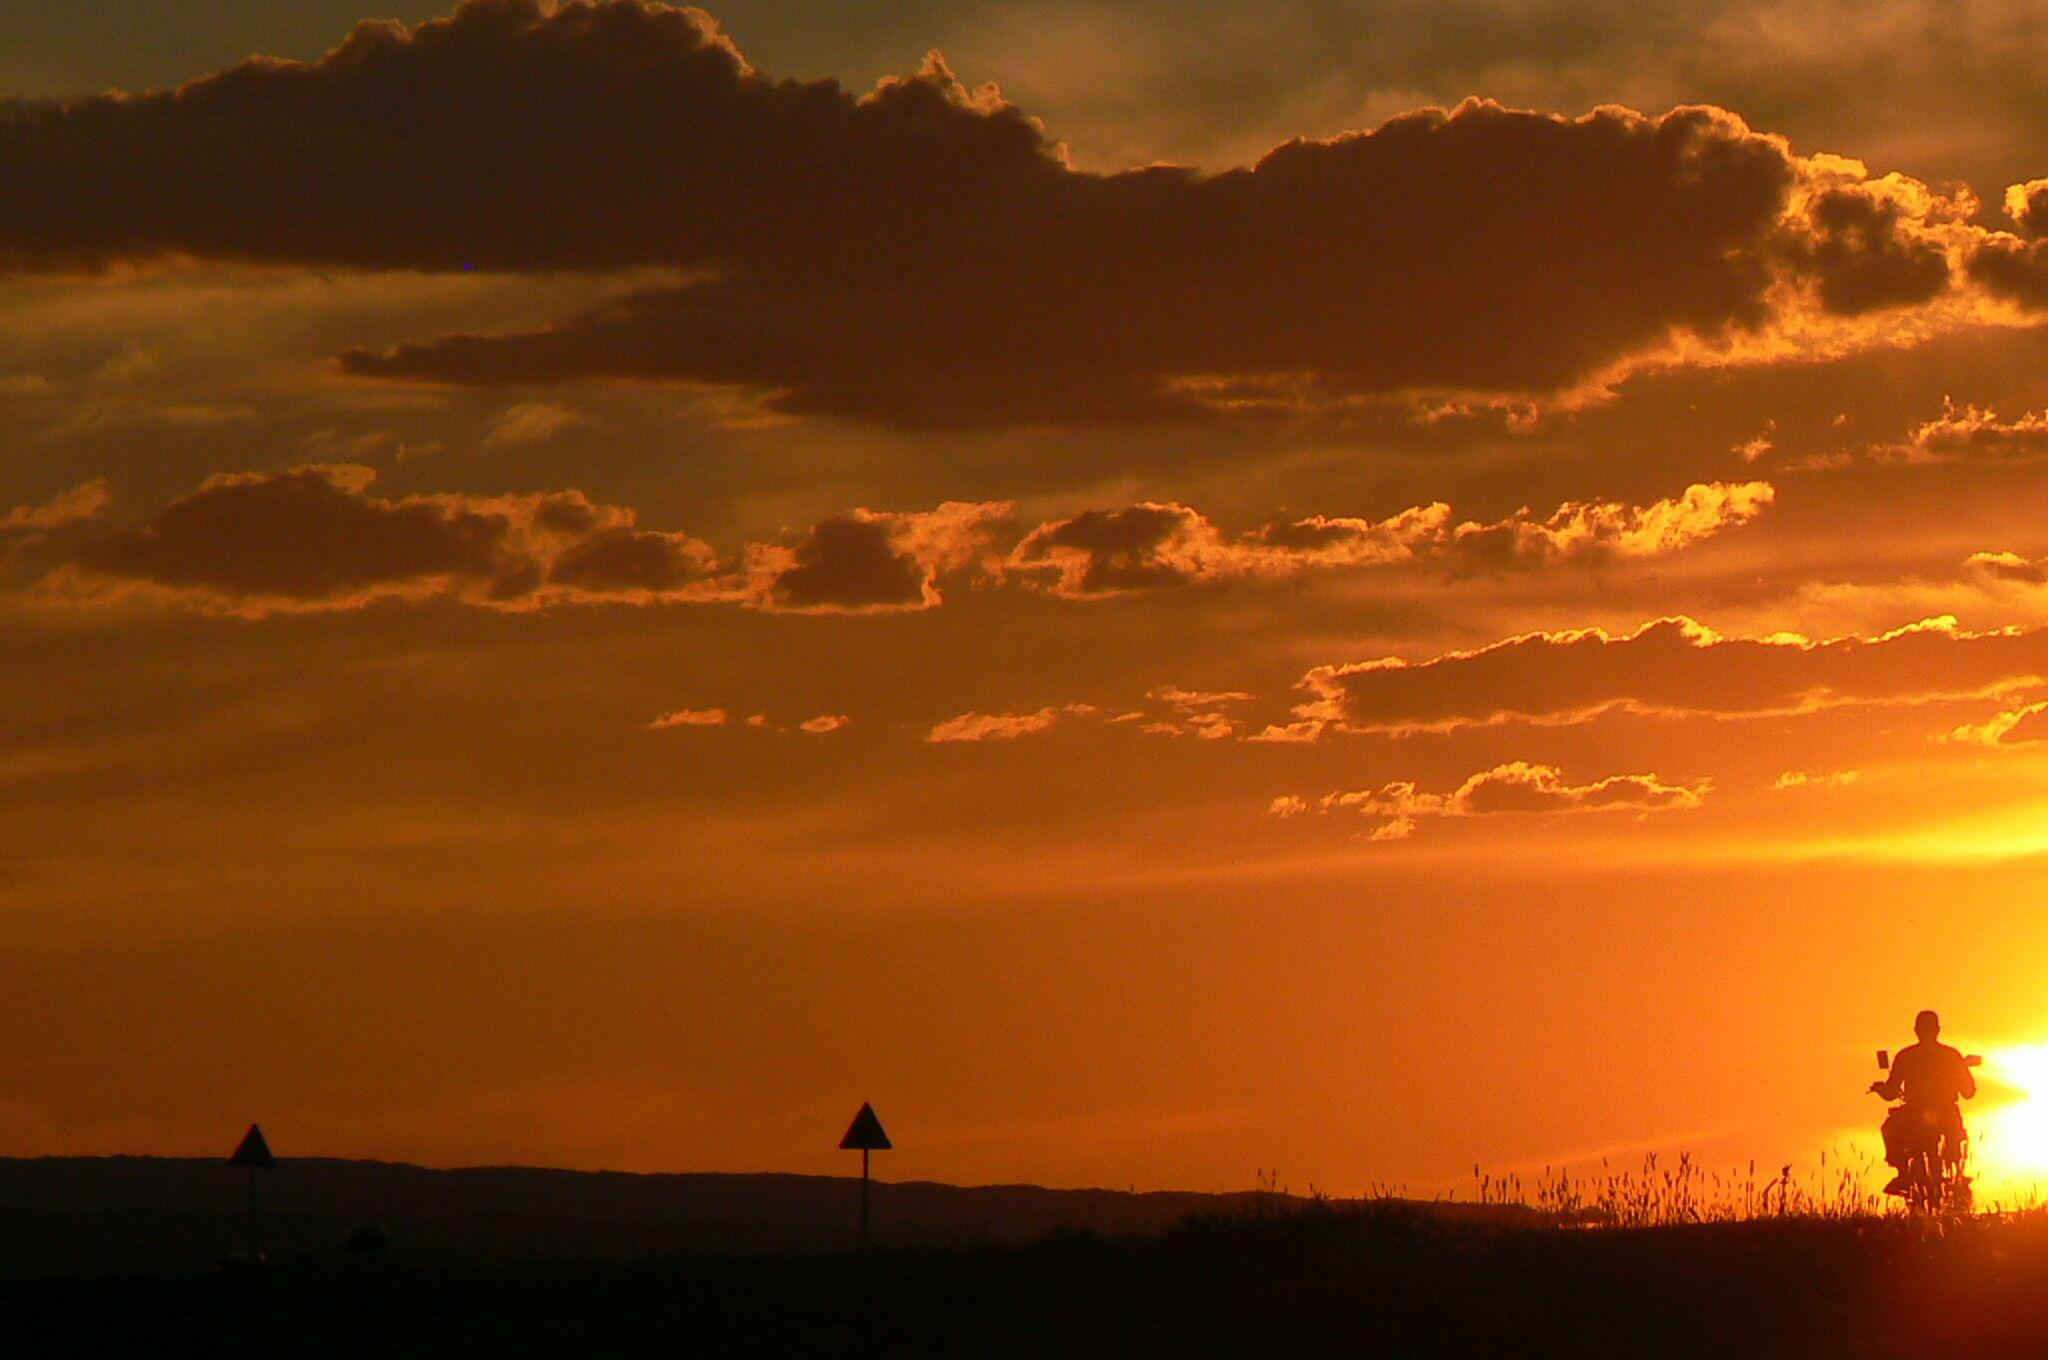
column 1930, row 1077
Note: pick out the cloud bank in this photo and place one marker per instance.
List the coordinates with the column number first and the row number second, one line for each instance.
column 922, row 255
column 1673, row 666
column 320, row 537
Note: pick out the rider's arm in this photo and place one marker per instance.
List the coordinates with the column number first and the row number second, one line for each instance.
column 1968, row 1085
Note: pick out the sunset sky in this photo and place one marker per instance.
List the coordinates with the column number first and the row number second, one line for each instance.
column 1160, row 590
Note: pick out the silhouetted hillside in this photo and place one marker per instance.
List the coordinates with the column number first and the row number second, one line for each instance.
column 1385, row 1280
column 66, row 1215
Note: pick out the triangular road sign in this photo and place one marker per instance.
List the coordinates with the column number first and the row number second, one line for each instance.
column 254, row 1152
column 865, row 1131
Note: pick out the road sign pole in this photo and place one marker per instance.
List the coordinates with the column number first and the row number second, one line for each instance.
column 253, row 1155
column 255, row 1218
column 865, row 1133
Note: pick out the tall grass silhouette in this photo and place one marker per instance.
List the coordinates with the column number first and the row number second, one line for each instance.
column 1660, row 1193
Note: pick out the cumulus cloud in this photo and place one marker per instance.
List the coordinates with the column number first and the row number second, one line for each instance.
column 865, row 561
column 1972, row 434
column 1393, row 809
column 2012, row 268
column 1673, row 666
column 1866, row 245
column 314, row 535
column 1600, row 529
column 318, row 537
column 2027, row 205
column 1159, row 544
column 1141, row 547
column 922, row 254
column 823, row 723
column 2022, row 726
column 851, row 562
column 2009, row 567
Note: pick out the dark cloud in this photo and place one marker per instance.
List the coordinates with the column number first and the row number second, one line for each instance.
column 2027, row 205
column 851, row 562
column 921, row 255
column 1672, row 666
column 864, row 561
column 510, row 136
column 2007, row 266
column 2012, row 269
column 626, row 560
column 1107, row 551
column 312, row 534
column 320, row 538
column 1375, row 263
column 1865, row 251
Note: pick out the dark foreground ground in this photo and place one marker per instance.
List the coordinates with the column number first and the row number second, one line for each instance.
column 1394, row 1282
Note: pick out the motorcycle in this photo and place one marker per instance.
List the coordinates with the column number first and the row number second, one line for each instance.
column 1935, row 1178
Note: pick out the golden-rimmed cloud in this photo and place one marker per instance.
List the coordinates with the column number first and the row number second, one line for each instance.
column 1513, row 787
column 1161, row 544
column 2026, row 725
column 975, row 726
column 866, row 561
column 320, row 538
column 1671, row 667
column 1811, row 779
column 821, row 725
column 1206, row 714
column 66, row 510
column 922, row 255
column 2027, row 205
column 1868, row 245
column 1965, row 433
column 690, row 717
column 2008, row 567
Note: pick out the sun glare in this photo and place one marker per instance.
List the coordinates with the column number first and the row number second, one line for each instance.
column 2010, row 1136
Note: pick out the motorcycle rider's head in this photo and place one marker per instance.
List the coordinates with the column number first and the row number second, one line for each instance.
column 1927, row 1025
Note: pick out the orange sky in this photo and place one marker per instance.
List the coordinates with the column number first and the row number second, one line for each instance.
column 568, row 598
